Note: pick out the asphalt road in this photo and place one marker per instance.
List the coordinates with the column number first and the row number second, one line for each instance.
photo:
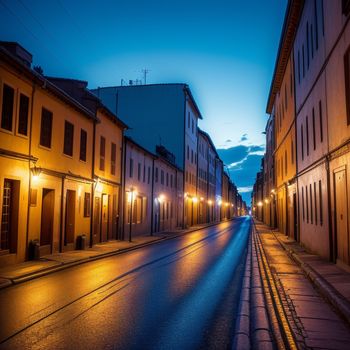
column 178, row 294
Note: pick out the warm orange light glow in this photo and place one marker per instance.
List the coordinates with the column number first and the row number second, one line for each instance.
column 194, row 199
column 161, row 198
column 260, row 204
column 202, row 199
column 210, row 202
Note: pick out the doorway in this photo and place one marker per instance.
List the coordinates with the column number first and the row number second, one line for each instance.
column 97, row 214
column 9, row 217
column 295, row 217
column 70, row 217
column 341, row 217
column 104, row 217
column 47, row 215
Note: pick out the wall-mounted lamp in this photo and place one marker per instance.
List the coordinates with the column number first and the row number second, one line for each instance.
column 35, row 172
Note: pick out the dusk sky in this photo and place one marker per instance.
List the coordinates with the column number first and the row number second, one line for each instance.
column 224, row 50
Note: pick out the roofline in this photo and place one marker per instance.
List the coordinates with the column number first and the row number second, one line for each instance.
column 290, row 26
column 43, row 82
column 129, row 139
column 184, row 85
column 209, row 139
column 101, row 106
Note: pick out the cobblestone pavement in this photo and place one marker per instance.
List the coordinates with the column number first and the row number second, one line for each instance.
column 313, row 322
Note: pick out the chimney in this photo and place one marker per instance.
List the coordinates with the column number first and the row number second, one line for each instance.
column 18, row 51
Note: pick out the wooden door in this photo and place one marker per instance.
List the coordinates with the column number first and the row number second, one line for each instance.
column 97, row 221
column 47, row 215
column 104, row 218
column 341, row 213
column 70, row 217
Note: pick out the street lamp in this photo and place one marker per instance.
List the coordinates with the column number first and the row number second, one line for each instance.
column 132, row 194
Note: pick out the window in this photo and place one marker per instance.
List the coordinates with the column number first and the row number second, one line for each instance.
column 307, row 45
column 23, row 115
column 7, row 107
column 87, row 204
column 167, row 179
column 186, row 176
column 311, row 207
column 156, row 176
column 68, row 138
column 347, row 83
column 315, row 201
column 345, row 7
column 312, row 40
column 171, row 180
column 298, row 66
column 149, row 175
column 321, row 120
column 303, row 52
column 102, row 153
column 292, row 151
column 316, row 24
column 46, row 128
column 286, row 162
column 113, row 157
column 192, row 156
column 162, row 177
column 320, row 200
column 188, row 119
column 307, row 135
column 139, row 171
column 188, row 152
column 313, row 128
column 192, row 126
column 302, row 202
column 307, row 204
column 131, row 168
column 144, row 173
column 302, row 141
column 83, row 142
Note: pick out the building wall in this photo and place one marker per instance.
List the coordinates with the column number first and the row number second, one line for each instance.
column 165, row 202
column 160, row 109
column 141, row 210
column 202, row 182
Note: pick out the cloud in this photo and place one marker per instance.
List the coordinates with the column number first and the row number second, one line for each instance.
column 228, row 141
column 243, row 164
column 244, row 137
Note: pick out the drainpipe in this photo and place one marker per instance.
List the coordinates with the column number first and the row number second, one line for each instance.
column 61, row 214
column 30, row 174
column 287, row 216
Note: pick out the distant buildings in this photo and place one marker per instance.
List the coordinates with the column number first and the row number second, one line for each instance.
column 69, row 177
column 309, row 113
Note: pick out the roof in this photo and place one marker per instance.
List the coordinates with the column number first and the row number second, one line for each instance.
column 290, row 25
column 183, row 85
column 130, row 140
column 209, row 140
column 82, row 84
column 29, row 73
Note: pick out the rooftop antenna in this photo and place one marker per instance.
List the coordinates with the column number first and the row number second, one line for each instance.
column 145, row 71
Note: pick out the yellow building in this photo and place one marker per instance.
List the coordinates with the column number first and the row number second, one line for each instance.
column 281, row 100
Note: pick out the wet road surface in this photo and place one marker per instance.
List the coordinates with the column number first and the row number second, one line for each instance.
column 177, row 294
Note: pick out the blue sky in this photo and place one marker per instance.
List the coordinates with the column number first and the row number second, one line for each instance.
column 224, row 50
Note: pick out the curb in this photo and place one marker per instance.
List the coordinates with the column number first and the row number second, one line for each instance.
column 63, row 266
column 241, row 339
column 341, row 304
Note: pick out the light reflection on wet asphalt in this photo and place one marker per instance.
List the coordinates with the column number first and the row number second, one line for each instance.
column 178, row 294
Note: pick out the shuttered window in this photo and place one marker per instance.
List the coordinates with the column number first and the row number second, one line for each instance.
column 83, row 143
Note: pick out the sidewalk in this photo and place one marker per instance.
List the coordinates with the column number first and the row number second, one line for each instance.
column 304, row 282
column 28, row 270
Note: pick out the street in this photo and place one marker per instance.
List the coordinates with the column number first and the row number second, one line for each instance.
column 181, row 293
